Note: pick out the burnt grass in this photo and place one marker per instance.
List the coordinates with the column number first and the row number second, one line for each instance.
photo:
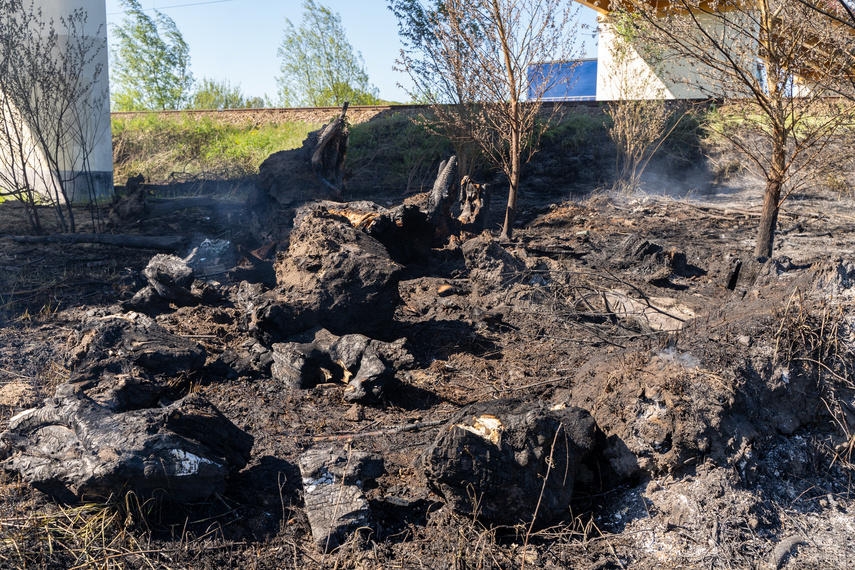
column 731, row 391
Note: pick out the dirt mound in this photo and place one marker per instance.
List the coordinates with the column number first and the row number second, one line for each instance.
column 333, row 275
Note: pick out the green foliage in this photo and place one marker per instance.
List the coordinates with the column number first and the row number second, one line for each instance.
column 150, row 62
column 319, row 66
column 213, row 94
column 394, row 154
column 159, row 147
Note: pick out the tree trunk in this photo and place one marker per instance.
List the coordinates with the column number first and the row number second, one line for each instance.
column 768, row 219
column 515, row 127
column 772, row 196
column 511, row 210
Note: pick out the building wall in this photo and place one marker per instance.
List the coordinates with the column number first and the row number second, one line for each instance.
column 625, row 73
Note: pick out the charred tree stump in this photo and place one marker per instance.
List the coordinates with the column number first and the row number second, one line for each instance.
column 475, row 201
column 331, row 152
column 291, row 178
column 499, row 460
column 441, row 198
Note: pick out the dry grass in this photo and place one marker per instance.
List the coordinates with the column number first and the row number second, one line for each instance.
column 818, row 338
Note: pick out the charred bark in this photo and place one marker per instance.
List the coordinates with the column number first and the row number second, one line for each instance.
column 331, row 152
column 475, row 200
column 332, row 491
column 499, row 460
column 768, row 219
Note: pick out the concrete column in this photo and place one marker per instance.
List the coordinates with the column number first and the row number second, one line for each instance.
column 625, row 73
column 98, row 129
column 83, row 172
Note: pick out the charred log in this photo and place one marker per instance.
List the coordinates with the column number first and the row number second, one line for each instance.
column 76, row 449
column 168, row 243
column 332, row 491
column 124, row 343
column 171, row 278
column 136, row 204
column 367, row 366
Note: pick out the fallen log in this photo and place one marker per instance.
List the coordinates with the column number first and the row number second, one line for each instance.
column 167, row 243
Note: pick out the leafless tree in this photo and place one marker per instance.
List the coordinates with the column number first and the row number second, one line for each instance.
column 473, row 66
column 50, row 99
column 779, row 67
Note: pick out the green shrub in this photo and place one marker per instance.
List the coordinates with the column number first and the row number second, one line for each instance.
column 576, row 131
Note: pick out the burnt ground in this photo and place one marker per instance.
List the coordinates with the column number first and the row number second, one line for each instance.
column 730, row 392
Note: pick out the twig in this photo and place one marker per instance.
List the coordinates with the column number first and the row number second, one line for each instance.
column 549, row 464
column 541, row 383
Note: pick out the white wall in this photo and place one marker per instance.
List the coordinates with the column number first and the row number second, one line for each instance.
column 624, row 73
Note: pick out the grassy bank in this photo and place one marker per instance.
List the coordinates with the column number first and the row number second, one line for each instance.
column 168, row 148
column 389, row 155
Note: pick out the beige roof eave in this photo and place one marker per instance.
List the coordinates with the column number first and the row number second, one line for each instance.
column 605, row 6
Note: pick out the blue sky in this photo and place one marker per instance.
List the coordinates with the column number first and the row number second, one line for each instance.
column 237, row 39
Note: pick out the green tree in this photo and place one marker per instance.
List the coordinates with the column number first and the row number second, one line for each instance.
column 319, row 66
column 213, row 94
column 150, row 66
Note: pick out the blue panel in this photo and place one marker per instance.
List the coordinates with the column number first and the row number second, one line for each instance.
column 568, row 81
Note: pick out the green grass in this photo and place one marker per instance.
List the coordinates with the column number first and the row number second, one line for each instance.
column 163, row 148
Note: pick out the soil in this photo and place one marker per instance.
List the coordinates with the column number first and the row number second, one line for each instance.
column 727, row 396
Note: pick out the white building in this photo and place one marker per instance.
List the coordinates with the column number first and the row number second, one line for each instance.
column 625, row 73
